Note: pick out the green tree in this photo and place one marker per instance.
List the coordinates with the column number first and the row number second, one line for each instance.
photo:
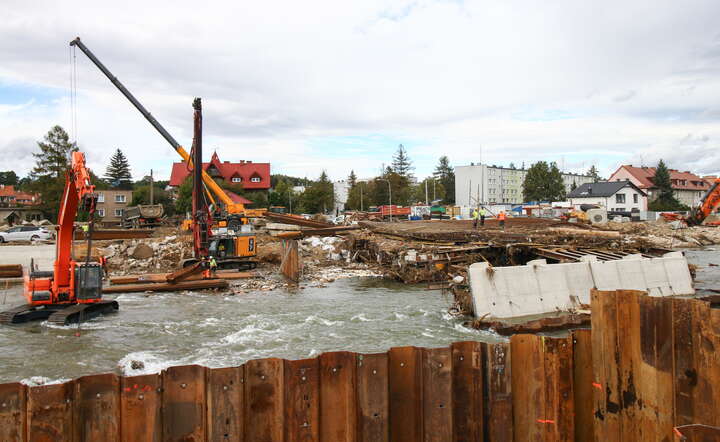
column 141, row 195
column 319, row 197
column 543, row 182
column 435, row 191
column 48, row 175
column 401, row 164
column 593, row 172
column 118, row 171
column 9, row 178
column 183, row 202
column 664, row 196
column 445, row 174
column 358, row 198
column 352, row 179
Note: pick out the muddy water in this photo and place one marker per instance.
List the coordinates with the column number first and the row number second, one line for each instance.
column 154, row 331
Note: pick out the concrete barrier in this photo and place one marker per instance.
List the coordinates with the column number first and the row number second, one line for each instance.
column 538, row 287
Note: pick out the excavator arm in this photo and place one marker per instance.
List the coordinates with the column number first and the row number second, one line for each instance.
column 230, row 205
column 78, row 190
column 708, row 205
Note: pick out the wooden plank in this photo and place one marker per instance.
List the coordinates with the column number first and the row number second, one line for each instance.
column 225, row 394
column 498, row 406
column 437, row 394
column 162, row 277
column 559, row 424
column 290, row 266
column 583, row 384
column 97, row 408
column 528, row 381
column 140, row 406
column 183, row 403
column 706, row 326
column 405, row 382
column 50, row 413
column 605, row 365
column 13, row 402
column 160, row 287
column 302, row 400
column 264, row 408
column 684, row 369
column 654, row 370
column 697, row 433
column 338, row 417
column 372, row 398
column 634, row 424
column 467, row 391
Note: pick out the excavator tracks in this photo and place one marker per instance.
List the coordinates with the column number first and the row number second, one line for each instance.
column 57, row 314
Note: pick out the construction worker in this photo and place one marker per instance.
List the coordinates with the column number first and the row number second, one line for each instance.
column 213, row 265
column 475, row 218
column 501, row 218
column 221, row 250
column 482, row 216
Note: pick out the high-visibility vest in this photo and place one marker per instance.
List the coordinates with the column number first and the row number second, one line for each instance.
column 501, row 217
column 475, row 214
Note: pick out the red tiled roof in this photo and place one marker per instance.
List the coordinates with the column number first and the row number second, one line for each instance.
column 24, row 197
column 244, row 169
column 237, row 198
column 645, row 174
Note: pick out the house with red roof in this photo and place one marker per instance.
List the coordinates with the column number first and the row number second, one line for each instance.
column 253, row 177
column 9, row 197
column 688, row 188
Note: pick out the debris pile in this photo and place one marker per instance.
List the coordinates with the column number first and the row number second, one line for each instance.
column 132, row 256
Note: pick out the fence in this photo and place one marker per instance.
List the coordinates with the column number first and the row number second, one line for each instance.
column 649, row 365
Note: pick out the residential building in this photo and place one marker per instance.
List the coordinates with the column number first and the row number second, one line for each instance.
column 688, row 188
column 16, row 215
column 710, row 179
column 341, row 188
column 621, row 196
column 9, row 197
column 254, row 177
column 480, row 183
column 111, row 204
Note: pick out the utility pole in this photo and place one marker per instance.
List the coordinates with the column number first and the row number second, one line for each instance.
column 151, row 187
column 389, row 195
column 426, row 192
column 434, row 194
column 361, row 199
column 290, row 199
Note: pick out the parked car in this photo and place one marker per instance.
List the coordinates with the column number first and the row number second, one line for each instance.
column 25, row 233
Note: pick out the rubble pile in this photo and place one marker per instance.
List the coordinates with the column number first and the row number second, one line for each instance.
column 133, row 256
column 667, row 235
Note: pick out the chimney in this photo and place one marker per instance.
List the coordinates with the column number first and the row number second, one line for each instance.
column 589, row 190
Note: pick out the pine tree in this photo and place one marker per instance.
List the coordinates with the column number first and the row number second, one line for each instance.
column 352, row 179
column 593, row 172
column 402, row 165
column 445, row 174
column 664, row 197
column 48, row 176
column 320, row 196
column 118, row 171
column 54, row 157
column 9, row 178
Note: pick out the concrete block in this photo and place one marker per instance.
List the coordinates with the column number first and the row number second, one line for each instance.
column 631, row 274
column 605, row 275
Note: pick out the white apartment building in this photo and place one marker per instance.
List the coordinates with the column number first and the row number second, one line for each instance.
column 480, row 183
column 341, row 189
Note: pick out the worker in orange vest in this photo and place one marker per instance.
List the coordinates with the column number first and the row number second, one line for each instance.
column 501, row 218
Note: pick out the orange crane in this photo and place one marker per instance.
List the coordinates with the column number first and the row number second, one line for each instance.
column 72, row 291
column 233, row 214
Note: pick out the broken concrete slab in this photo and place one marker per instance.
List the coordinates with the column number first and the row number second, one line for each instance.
column 538, row 287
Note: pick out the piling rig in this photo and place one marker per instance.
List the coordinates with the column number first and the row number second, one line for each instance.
column 227, row 213
column 72, row 291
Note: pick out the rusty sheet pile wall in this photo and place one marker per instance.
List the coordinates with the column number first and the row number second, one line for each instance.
column 649, row 365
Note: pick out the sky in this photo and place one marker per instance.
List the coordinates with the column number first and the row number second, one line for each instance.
column 335, row 85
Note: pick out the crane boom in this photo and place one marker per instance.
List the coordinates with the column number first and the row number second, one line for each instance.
column 231, row 206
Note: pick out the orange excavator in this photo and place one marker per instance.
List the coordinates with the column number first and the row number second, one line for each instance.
column 72, row 291
column 697, row 215
column 708, row 205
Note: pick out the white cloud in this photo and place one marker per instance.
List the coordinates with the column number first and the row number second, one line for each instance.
column 585, row 82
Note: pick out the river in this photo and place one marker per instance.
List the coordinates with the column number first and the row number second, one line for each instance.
column 153, row 331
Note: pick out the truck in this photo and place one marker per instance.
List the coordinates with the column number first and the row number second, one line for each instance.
column 142, row 216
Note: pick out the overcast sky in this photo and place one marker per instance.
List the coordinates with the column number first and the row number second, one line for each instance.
column 337, row 85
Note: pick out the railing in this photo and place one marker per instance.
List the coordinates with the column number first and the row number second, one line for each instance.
column 649, row 365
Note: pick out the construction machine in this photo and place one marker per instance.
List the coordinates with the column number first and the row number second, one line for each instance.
column 233, row 245
column 708, row 205
column 72, row 291
column 228, row 213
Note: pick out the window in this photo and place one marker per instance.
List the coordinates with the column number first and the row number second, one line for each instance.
column 119, row 198
column 101, row 213
column 620, row 198
column 119, row 213
column 635, row 198
column 255, row 179
column 236, row 179
column 101, row 198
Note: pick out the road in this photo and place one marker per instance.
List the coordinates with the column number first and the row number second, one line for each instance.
column 43, row 254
